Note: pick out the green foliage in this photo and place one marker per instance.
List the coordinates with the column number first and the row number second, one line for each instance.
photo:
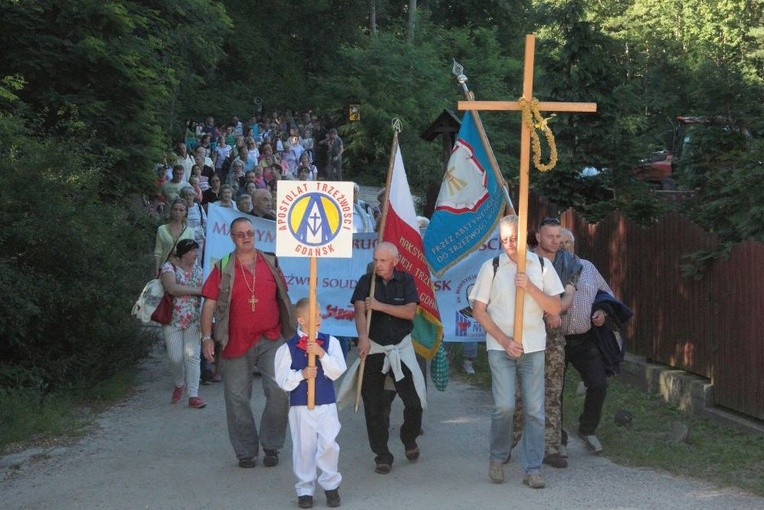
column 26, row 413
column 713, row 452
column 575, row 63
column 280, row 51
column 725, row 168
column 644, row 62
column 70, row 269
column 33, row 413
column 392, row 79
column 101, row 75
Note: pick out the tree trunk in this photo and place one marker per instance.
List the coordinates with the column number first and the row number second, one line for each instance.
column 412, row 18
column 373, row 16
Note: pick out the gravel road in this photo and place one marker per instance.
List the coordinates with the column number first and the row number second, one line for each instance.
column 146, row 453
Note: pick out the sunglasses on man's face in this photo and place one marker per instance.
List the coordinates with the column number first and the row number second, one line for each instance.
column 244, row 235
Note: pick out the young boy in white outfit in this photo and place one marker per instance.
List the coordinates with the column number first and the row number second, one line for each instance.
column 314, row 432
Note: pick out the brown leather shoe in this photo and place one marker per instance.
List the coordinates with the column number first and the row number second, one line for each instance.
column 555, row 460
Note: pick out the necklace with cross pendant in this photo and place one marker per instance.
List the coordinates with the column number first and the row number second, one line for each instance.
column 252, row 300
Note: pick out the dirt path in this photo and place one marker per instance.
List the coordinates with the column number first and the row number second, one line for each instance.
column 148, row 454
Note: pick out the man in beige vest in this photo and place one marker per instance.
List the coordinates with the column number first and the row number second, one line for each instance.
column 247, row 295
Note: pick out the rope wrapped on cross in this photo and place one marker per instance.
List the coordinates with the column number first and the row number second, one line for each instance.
column 531, row 111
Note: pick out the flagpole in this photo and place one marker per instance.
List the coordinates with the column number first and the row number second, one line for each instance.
column 462, row 79
column 396, row 129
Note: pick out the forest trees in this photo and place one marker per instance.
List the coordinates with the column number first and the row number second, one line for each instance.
column 94, row 92
column 85, row 93
column 104, row 77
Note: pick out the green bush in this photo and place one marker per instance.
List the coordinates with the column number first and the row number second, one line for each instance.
column 70, row 269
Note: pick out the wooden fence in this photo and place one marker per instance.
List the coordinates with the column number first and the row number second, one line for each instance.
column 709, row 326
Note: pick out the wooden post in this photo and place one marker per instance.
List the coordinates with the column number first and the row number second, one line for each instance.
column 522, row 223
column 525, row 151
column 362, row 366
column 312, row 329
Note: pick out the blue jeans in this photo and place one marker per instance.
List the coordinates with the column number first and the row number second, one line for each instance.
column 237, row 388
column 504, row 371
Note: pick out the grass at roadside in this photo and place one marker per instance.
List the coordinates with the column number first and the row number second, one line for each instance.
column 713, row 452
column 28, row 417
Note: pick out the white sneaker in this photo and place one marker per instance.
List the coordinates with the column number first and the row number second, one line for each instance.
column 592, row 443
column 467, row 367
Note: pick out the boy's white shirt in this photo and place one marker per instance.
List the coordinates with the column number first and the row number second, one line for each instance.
column 333, row 364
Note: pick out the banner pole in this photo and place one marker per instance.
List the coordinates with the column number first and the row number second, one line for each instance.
column 385, row 207
column 312, row 284
column 509, row 207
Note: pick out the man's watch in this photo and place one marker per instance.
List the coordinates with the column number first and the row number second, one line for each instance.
column 206, row 337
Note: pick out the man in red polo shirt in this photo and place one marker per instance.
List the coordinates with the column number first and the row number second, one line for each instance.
column 247, row 295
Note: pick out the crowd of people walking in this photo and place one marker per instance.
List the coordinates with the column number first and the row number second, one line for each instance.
column 247, row 323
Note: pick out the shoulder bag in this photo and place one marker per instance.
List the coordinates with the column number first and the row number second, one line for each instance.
column 163, row 312
column 152, row 295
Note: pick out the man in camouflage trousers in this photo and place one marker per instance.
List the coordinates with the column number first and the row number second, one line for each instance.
column 568, row 268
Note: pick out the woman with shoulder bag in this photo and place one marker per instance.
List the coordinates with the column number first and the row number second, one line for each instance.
column 169, row 234
column 182, row 335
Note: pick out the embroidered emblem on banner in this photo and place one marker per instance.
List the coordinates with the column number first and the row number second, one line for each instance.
column 315, row 219
column 464, row 187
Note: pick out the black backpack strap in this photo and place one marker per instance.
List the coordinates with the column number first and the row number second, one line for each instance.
column 496, row 264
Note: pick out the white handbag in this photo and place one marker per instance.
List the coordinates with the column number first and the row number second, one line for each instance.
column 152, row 293
column 148, row 301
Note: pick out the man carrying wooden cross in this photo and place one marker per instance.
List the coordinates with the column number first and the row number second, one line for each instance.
column 532, row 121
column 508, row 359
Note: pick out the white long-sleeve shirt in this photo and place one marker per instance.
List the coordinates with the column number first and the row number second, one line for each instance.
column 333, row 364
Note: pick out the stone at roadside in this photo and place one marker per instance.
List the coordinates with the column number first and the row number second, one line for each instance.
column 17, row 460
column 623, row 418
column 678, row 432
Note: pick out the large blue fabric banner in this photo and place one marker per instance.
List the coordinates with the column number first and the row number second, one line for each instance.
column 469, row 205
column 337, row 277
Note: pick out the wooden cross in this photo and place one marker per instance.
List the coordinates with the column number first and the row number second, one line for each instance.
column 252, row 302
column 525, row 149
